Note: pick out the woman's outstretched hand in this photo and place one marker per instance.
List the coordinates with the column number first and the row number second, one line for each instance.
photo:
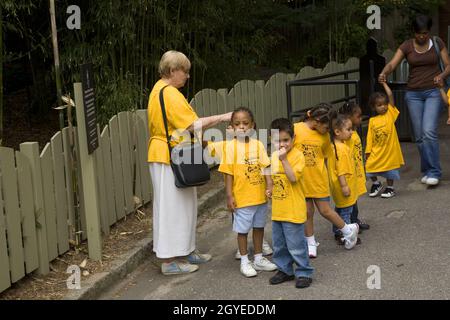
column 381, row 78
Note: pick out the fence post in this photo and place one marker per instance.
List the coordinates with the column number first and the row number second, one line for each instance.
column 31, row 151
column 89, row 181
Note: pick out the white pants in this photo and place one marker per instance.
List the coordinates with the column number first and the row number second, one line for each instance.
column 174, row 214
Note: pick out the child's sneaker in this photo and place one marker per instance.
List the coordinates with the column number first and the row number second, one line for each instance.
column 303, row 282
column 248, row 270
column 237, row 256
column 388, row 193
column 352, row 238
column 264, row 265
column 375, row 189
column 266, row 249
column 312, row 250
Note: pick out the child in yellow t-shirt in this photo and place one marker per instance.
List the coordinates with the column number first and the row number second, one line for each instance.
column 217, row 151
column 354, row 112
column 446, row 98
column 247, row 189
column 288, row 208
column 313, row 140
column 383, row 153
column 341, row 169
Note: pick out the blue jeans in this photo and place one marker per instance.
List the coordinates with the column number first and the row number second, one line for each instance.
column 354, row 215
column 424, row 109
column 289, row 247
column 345, row 214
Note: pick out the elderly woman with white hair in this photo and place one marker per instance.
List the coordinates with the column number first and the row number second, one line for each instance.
column 174, row 209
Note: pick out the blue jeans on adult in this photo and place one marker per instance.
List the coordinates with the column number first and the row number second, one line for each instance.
column 345, row 214
column 424, row 109
column 289, row 246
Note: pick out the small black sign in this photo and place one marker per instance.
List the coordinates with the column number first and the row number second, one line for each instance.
column 90, row 115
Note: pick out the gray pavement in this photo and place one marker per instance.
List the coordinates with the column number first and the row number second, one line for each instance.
column 409, row 241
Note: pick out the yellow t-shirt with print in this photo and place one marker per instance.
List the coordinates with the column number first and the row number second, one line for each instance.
column 315, row 148
column 382, row 142
column 245, row 161
column 288, row 199
column 180, row 116
column 342, row 166
column 355, row 145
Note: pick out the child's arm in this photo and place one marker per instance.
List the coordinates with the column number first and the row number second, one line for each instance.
column 388, row 92
column 269, row 184
column 344, row 186
column 231, row 204
column 286, row 165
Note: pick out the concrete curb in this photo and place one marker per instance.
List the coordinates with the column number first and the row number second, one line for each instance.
column 97, row 283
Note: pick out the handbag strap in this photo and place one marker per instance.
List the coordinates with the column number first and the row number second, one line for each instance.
column 163, row 110
column 438, row 52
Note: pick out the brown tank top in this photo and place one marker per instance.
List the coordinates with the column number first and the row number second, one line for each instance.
column 423, row 67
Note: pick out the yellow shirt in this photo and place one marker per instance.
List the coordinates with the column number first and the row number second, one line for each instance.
column 343, row 166
column 288, row 199
column 448, row 95
column 382, row 142
column 315, row 147
column 217, row 149
column 355, row 145
column 180, row 115
column 245, row 162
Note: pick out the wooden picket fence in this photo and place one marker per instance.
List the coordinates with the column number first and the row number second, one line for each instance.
column 38, row 205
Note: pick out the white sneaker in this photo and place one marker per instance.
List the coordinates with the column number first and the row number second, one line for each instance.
column 266, row 249
column 312, row 250
column 432, row 181
column 351, row 239
column 264, row 265
column 424, row 179
column 248, row 270
column 237, row 256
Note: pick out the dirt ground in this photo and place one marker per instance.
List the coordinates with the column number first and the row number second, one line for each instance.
column 123, row 236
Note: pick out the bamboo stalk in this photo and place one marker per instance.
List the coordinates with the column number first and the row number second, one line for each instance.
column 56, row 58
column 1, row 76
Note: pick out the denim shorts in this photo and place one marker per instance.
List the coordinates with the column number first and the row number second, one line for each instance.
column 319, row 199
column 391, row 174
column 247, row 218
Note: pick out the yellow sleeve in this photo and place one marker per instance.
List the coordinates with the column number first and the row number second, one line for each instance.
column 227, row 161
column 393, row 112
column 448, row 95
column 343, row 163
column 298, row 166
column 326, row 148
column 179, row 113
column 369, row 138
column 264, row 160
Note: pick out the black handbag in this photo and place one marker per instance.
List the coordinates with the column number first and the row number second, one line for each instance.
column 186, row 158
